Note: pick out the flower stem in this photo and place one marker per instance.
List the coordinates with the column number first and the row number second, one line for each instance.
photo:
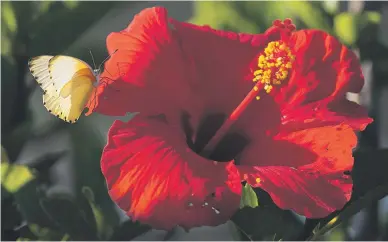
column 211, row 145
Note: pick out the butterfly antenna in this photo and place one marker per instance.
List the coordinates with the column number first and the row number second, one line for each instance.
column 91, row 54
column 107, row 58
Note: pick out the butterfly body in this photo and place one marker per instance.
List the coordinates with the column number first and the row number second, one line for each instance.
column 67, row 82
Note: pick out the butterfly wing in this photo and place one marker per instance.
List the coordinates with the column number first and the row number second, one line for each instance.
column 62, row 69
column 67, row 83
column 39, row 70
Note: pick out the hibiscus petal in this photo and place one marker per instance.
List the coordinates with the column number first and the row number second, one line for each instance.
column 303, row 170
column 153, row 176
column 146, row 71
column 326, row 112
column 324, row 71
column 310, row 195
column 221, row 60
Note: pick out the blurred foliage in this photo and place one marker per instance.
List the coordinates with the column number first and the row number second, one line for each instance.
column 29, row 212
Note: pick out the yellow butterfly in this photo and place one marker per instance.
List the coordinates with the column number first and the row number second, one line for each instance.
column 67, row 82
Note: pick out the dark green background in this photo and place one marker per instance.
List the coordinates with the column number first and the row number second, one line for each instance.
column 52, row 188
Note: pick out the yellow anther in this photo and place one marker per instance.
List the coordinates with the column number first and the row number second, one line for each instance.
column 258, row 180
column 258, row 72
column 288, row 65
column 268, row 88
column 255, row 88
column 257, row 97
column 274, row 65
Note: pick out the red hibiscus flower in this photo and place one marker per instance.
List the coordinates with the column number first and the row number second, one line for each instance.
column 217, row 108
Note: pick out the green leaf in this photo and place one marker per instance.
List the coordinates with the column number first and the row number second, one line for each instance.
column 58, row 28
column 9, row 17
column 346, row 27
column 104, row 230
column 308, row 12
column 370, row 17
column 71, row 4
column 15, row 137
column 27, row 199
column 43, row 165
column 330, row 6
column 10, row 212
column 220, row 14
column 13, row 177
column 249, row 197
column 8, row 82
column 262, row 13
column 9, row 28
column 261, row 223
column 66, row 237
column 43, row 233
column 68, row 217
column 4, row 156
column 22, row 239
column 353, row 208
column 44, row 6
column 87, row 145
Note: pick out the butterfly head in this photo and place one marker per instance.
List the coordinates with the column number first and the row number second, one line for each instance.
column 96, row 73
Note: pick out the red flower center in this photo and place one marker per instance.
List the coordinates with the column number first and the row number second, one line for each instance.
column 273, row 67
column 227, row 149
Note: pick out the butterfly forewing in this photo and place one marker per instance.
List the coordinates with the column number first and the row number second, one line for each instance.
column 63, row 68
column 39, row 70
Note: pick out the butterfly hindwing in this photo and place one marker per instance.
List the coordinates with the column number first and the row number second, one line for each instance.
column 69, row 108
column 67, row 83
